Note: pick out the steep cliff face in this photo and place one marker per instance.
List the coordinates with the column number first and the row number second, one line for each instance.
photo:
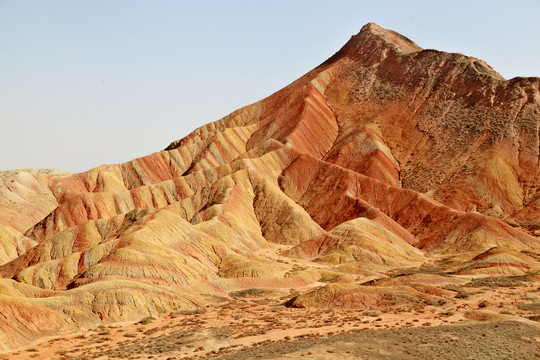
column 385, row 156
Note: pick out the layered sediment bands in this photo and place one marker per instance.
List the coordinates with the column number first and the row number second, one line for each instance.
column 500, row 261
column 450, row 106
column 24, row 320
column 385, row 157
column 282, row 220
column 435, row 226
column 25, row 198
column 13, row 244
column 361, row 241
column 358, row 296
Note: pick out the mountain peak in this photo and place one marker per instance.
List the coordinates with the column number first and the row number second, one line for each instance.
column 373, row 41
column 372, row 31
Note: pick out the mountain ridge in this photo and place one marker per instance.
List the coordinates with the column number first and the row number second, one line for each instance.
column 385, row 157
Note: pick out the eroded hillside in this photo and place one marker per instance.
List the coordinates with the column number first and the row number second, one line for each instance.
column 384, row 162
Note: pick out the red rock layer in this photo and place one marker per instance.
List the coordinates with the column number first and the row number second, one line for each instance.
column 385, row 156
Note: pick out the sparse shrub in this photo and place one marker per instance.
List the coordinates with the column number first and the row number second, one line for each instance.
column 483, row 304
column 151, row 331
column 373, row 313
column 462, row 295
column 452, row 287
column 146, row 320
column 506, row 312
column 436, row 302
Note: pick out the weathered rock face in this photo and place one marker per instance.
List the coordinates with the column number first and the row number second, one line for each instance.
column 385, row 156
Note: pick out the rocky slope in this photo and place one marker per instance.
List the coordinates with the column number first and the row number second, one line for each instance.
column 385, row 157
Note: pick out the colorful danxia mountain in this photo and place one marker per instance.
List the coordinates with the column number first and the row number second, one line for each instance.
column 389, row 181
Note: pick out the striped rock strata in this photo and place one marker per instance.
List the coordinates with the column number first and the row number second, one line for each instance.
column 386, row 156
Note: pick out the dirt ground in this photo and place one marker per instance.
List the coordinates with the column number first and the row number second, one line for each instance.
column 487, row 319
column 503, row 340
column 490, row 317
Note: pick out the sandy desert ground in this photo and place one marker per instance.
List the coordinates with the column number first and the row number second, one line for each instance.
column 488, row 318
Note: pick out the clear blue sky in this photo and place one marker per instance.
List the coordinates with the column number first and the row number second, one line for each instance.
column 83, row 83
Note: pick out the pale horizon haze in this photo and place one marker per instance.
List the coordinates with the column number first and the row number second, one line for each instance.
column 85, row 83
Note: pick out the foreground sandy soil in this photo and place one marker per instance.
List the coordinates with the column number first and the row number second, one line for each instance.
column 488, row 320
column 504, row 340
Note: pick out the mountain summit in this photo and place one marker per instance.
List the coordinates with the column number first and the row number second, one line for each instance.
column 385, row 157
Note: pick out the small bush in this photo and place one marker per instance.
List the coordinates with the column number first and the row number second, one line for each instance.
column 462, row 295
column 146, row 320
column 483, row 304
column 436, row 302
column 506, row 312
column 534, row 299
column 189, row 312
column 373, row 313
